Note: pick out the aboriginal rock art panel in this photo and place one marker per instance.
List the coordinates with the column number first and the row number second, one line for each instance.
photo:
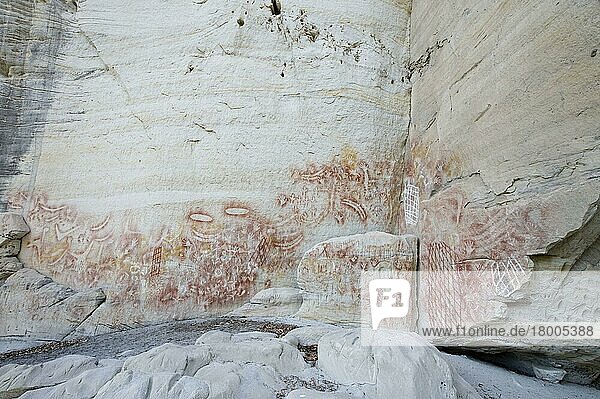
column 459, row 208
column 478, row 232
column 205, row 260
column 429, row 167
column 508, row 276
column 461, row 292
column 475, row 243
column 201, row 262
column 345, row 189
column 331, row 273
column 460, row 237
column 455, row 209
column 444, row 295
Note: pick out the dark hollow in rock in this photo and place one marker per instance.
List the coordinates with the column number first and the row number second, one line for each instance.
column 275, row 7
column 310, row 353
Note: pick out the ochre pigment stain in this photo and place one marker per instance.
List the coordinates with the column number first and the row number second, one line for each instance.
column 208, row 259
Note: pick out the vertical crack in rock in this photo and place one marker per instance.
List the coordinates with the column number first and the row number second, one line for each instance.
column 32, row 33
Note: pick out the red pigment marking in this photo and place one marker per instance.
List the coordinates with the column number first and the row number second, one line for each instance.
column 156, row 262
column 356, row 207
column 110, row 250
column 290, row 242
column 339, row 190
column 444, row 294
column 183, row 250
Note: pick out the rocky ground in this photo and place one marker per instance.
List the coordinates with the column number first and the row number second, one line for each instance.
column 251, row 357
column 137, row 340
column 493, row 382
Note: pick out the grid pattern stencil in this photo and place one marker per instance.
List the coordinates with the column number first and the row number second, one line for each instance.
column 508, row 275
column 411, row 204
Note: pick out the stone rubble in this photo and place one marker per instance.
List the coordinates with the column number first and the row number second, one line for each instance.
column 12, row 227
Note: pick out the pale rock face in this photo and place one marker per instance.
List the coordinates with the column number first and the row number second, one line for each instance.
column 126, row 384
column 161, row 382
column 233, row 380
column 9, row 266
column 82, row 386
column 416, row 371
column 502, row 157
column 34, row 306
column 12, row 229
column 194, row 150
column 176, row 386
column 138, row 385
column 309, row 335
column 10, row 248
column 275, row 353
column 222, row 379
column 91, row 325
column 330, row 272
column 272, row 302
column 188, row 388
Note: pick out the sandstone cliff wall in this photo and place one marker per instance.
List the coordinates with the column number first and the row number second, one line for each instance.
column 502, row 161
column 183, row 155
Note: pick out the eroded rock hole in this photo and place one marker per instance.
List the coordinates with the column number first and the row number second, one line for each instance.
column 275, row 7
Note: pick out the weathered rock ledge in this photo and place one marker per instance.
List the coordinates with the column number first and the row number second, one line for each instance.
column 247, row 365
